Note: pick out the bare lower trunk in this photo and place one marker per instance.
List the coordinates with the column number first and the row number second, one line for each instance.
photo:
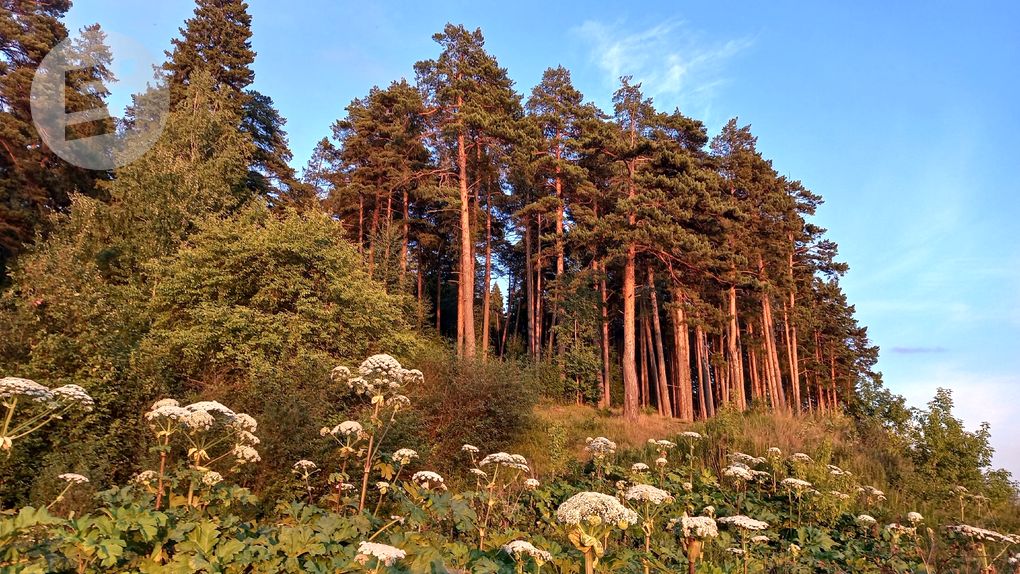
column 606, row 367
column 488, row 278
column 630, row 379
column 466, row 279
column 665, row 406
column 529, row 282
column 734, row 359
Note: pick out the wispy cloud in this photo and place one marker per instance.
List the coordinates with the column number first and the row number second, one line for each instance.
column 675, row 64
column 918, row 350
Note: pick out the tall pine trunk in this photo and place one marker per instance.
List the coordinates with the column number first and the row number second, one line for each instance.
column 665, row 405
column 631, row 406
column 682, row 359
column 529, row 285
column 488, row 274
column 466, row 279
column 604, row 308
column 734, row 360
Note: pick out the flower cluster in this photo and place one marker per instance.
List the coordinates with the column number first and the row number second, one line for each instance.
column 746, row 459
column 647, row 493
column 801, row 458
column 738, row 471
column 514, row 461
column 981, row 534
column 404, row 456
column 796, row 484
column 378, row 376
column 385, row 554
column 599, row 447
column 595, row 508
column 428, row 480
column 700, row 527
column 520, row 548
column 73, row 478
column 866, row 521
column 744, row 522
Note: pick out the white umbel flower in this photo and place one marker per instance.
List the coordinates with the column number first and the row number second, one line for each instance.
column 73, row 478
column 532, row 483
column 599, row 447
column 469, row 448
column 744, row 522
column 691, row 435
column 73, row 395
column 16, row 387
column 384, row 553
column 801, row 458
column 796, row 484
column 738, row 471
column 595, row 508
column 514, row 461
column 428, row 479
column 245, row 454
column 700, row 527
column 760, row 539
column 639, row 467
column 212, row 478
column 167, row 412
column 975, row 533
column 647, row 493
column 915, row 518
column 404, row 456
column 746, row 459
column 866, row 521
column 303, row 466
column 520, row 548
column 145, row 478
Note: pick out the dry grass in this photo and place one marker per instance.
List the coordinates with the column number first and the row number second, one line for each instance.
column 557, row 439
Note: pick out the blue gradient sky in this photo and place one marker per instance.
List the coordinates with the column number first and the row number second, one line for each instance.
column 902, row 115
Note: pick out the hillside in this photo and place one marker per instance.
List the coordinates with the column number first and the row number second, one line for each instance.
column 743, row 492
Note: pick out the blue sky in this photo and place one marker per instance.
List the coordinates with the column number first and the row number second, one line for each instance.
column 902, row 115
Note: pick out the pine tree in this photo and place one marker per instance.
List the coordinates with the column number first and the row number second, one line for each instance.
column 471, row 102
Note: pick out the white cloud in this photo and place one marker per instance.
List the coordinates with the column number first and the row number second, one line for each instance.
column 674, row 64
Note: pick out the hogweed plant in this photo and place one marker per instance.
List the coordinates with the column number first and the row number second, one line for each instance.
column 744, row 525
column 695, row 531
column 348, row 435
column 978, row 540
column 690, row 438
column 521, row 550
column 71, row 479
column 589, row 518
column 304, row 469
column 600, row 449
column 499, row 477
column 796, row 488
column 379, row 555
column 380, row 379
column 213, row 434
column 650, row 501
column 35, row 406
